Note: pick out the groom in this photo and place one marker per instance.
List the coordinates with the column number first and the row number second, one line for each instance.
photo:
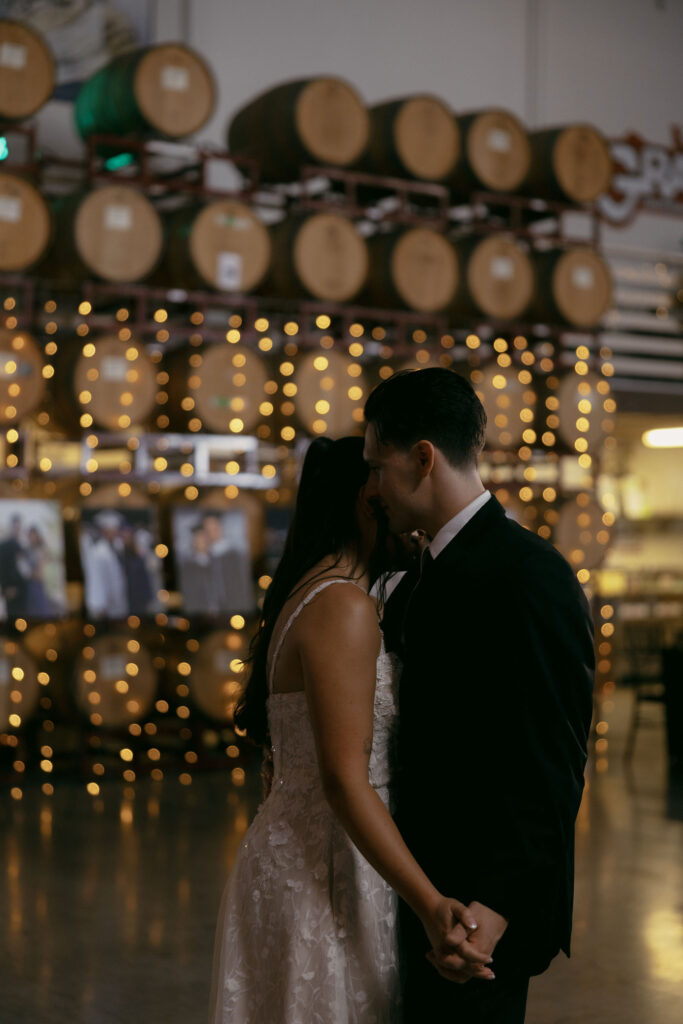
column 495, row 704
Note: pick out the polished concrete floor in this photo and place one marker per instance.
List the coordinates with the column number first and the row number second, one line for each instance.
column 108, row 905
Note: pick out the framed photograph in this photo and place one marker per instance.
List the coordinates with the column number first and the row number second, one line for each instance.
column 213, row 561
column 32, row 570
column 121, row 571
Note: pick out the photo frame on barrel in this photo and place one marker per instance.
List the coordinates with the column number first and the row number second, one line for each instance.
column 32, row 563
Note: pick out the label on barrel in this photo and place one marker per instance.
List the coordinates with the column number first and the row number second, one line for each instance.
column 118, row 217
column 499, row 140
column 221, row 661
column 10, row 209
column 112, row 666
column 114, row 368
column 502, row 268
column 175, row 78
column 229, row 271
column 13, row 55
column 583, row 277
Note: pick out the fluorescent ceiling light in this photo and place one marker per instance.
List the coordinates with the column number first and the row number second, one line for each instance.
column 663, row 437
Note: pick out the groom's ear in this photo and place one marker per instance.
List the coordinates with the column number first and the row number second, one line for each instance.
column 424, row 452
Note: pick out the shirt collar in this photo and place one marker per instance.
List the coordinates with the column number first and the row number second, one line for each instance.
column 455, row 525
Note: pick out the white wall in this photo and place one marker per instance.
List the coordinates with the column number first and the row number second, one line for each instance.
column 616, row 63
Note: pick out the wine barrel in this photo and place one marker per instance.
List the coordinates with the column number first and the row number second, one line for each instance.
column 581, row 414
column 495, row 154
column 19, row 686
column 498, row 277
column 571, row 163
column 509, row 405
column 322, row 255
column 166, row 90
column 573, row 285
column 216, row 677
column 580, row 533
column 312, row 121
column 112, row 380
column 417, row 136
column 223, row 385
column 22, row 385
column 27, row 71
column 331, row 391
column 222, row 244
column 415, row 268
column 25, row 224
column 115, row 680
column 113, row 232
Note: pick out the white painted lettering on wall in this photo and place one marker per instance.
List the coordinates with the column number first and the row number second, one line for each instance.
column 645, row 175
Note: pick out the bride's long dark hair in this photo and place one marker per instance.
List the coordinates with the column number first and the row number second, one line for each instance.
column 324, row 524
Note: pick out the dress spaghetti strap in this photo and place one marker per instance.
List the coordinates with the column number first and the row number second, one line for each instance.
column 299, row 608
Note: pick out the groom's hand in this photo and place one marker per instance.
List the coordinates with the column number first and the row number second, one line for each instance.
column 453, row 954
column 490, row 930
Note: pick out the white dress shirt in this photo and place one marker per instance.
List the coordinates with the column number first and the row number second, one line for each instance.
column 455, row 525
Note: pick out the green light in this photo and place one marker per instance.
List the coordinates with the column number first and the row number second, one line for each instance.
column 4, row 148
column 121, row 160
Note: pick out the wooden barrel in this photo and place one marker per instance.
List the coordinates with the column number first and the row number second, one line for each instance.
column 25, row 224
column 509, row 405
column 495, row 154
column 112, row 380
column 216, row 677
column 580, row 533
column 22, row 385
column 331, row 392
column 312, row 121
column 322, row 255
column 581, row 414
column 573, row 285
column 27, row 71
column 415, row 268
column 115, row 680
column 19, row 686
column 221, row 384
column 570, row 163
column 498, row 277
column 113, row 232
column 417, row 136
column 223, row 245
column 166, row 90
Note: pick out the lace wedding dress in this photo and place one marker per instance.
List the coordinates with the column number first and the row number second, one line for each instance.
column 307, row 931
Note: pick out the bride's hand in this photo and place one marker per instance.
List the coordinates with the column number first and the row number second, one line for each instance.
column 448, row 924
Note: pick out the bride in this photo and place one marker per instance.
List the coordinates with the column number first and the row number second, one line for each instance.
column 307, row 928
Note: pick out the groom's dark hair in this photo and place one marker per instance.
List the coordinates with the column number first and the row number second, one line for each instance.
column 434, row 404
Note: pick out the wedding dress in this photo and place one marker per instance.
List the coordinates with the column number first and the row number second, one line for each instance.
column 307, row 930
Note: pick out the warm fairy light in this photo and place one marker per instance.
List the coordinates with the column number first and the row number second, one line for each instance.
column 233, row 336
column 291, row 328
column 322, row 321
column 472, row 341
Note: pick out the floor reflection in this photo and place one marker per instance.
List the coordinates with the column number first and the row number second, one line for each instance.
column 110, row 902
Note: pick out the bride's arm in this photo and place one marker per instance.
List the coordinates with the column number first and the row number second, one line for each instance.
column 338, row 649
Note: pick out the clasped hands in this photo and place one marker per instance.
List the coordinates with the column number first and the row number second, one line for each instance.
column 463, row 939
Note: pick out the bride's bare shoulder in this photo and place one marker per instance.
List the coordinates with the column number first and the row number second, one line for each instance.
column 342, row 604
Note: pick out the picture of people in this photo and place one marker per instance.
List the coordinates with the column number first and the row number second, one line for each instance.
column 213, row 561
column 32, row 577
column 122, row 572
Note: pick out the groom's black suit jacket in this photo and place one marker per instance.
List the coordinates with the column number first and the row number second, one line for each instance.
column 495, row 704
